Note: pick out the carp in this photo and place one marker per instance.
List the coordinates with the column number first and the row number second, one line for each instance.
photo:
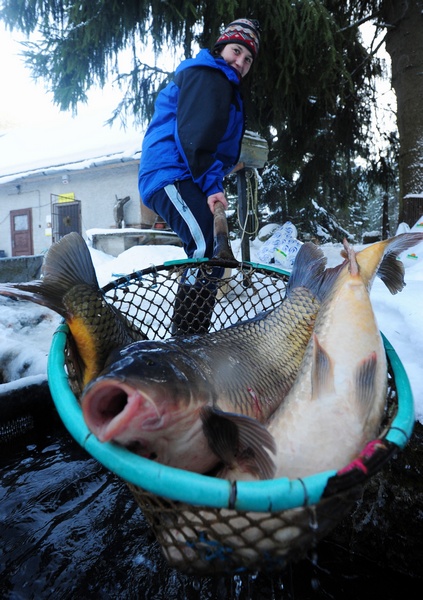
column 195, row 401
column 69, row 287
column 335, row 406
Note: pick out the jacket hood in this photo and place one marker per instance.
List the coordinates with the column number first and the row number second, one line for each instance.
column 205, row 58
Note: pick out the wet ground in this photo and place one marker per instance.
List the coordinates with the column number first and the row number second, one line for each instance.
column 70, row 529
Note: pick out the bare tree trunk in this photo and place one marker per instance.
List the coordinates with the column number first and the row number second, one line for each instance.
column 404, row 43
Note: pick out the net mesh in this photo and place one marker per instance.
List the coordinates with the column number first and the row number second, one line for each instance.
column 204, row 540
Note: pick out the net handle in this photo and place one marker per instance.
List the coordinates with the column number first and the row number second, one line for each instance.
column 222, row 248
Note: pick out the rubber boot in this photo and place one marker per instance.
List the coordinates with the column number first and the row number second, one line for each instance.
column 193, row 309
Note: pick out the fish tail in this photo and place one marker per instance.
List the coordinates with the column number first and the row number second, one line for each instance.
column 67, row 264
column 381, row 259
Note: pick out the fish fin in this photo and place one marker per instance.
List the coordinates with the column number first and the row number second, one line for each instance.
column 391, row 272
column 352, row 259
column 322, row 371
column 309, row 266
column 328, row 280
column 366, row 381
column 234, row 437
column 254, row 438
column 381, row 259
column 37, row 292
column 70, row 254
column 67, row 263
column 221, row 434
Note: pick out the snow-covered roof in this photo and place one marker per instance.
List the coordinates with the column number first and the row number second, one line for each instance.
column 82, row 144
column 41, row 150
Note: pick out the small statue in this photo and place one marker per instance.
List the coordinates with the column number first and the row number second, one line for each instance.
column 118, row 211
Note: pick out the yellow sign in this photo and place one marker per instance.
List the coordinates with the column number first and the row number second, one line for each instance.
column 69, row 197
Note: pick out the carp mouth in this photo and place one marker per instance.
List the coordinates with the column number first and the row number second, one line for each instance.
column 116, row 411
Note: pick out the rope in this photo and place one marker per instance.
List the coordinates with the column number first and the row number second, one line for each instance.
column 252, row 203
column 251, row 185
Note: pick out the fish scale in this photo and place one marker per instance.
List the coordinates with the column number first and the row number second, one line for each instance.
column 96, row 326
column 255, row 363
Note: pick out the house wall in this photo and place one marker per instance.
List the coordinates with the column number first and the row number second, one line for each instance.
column 96, row 187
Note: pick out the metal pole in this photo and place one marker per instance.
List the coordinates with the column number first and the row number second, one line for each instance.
column 243, row 213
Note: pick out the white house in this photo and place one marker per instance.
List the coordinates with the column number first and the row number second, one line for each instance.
column 54, row 180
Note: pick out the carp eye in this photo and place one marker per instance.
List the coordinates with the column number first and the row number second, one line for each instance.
column 149, row 361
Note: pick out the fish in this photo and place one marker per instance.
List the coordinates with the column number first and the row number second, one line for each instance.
column 335, row 406
column 69, row 287
column 196, row 401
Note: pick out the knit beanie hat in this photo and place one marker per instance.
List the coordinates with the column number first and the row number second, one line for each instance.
column 241, row 31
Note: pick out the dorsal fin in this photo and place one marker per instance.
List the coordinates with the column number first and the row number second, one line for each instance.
column 309, row 266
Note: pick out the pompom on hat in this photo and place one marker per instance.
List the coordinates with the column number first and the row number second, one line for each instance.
column 241, row 31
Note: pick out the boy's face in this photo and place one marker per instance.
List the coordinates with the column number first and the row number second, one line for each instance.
column 238, row 57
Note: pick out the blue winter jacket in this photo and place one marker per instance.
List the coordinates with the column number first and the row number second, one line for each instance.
column 197, row 128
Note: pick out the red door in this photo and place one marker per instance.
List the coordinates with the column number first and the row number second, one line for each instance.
column 21, row 232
